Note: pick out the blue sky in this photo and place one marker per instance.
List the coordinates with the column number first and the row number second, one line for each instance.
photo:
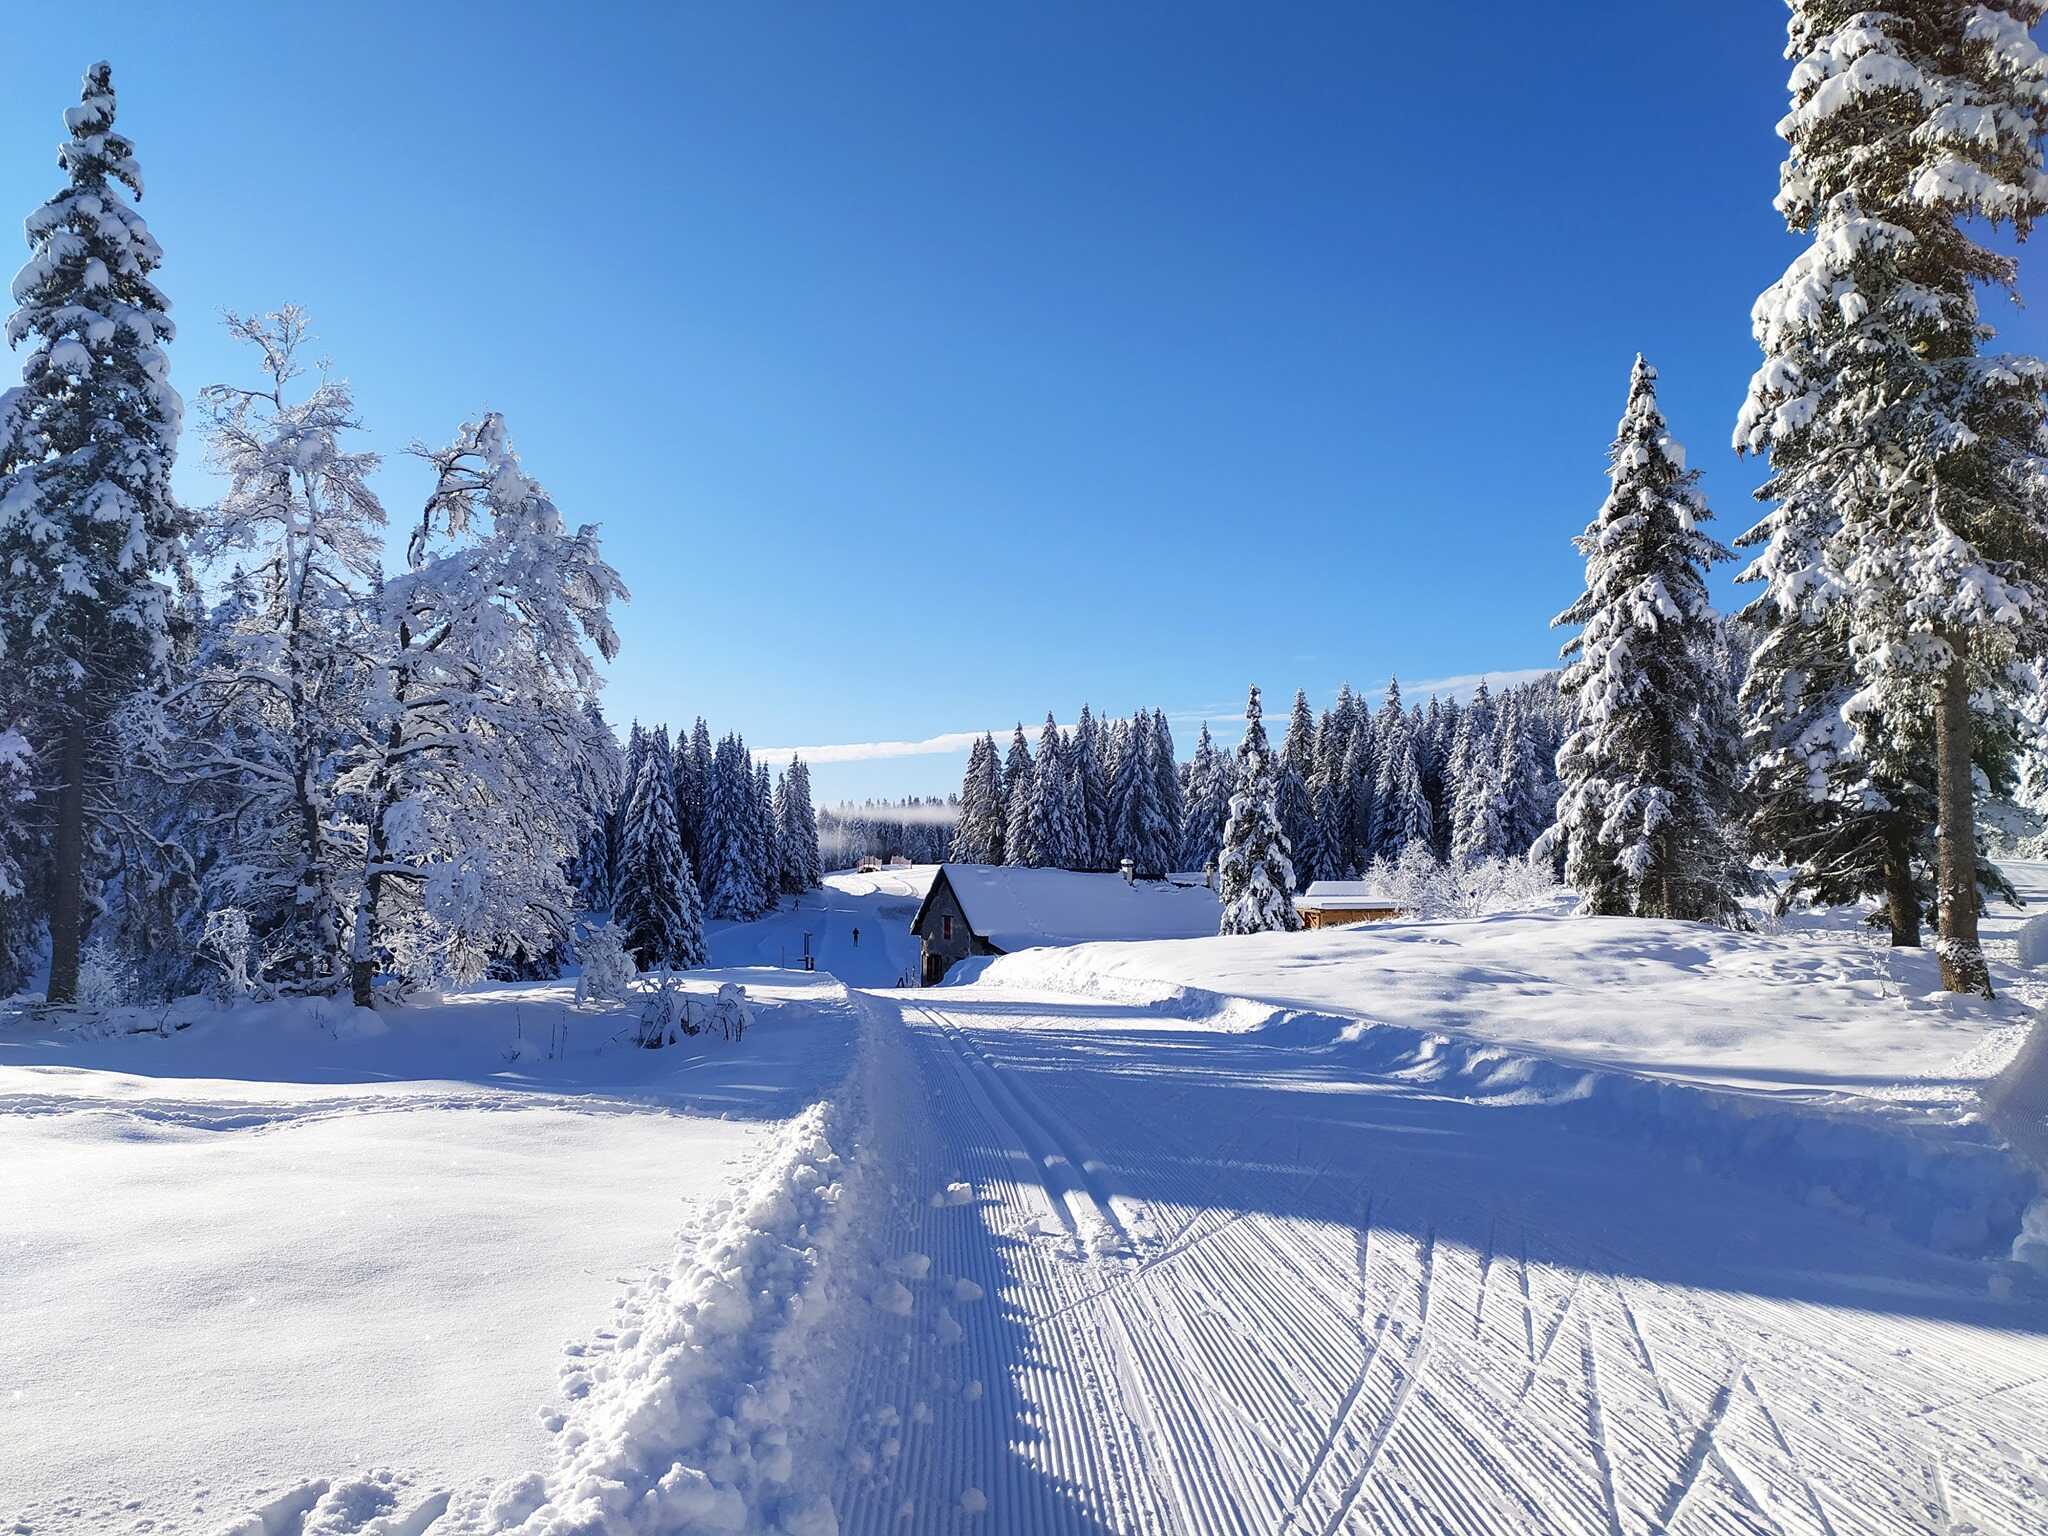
column 930, row 366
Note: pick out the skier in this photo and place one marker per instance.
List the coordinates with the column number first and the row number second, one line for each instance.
column 856, row 938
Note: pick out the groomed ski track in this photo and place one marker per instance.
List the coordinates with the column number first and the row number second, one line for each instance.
column 1145, row 1277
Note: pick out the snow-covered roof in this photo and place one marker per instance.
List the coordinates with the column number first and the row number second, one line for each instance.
column 1017, row 909
column 1346, row 896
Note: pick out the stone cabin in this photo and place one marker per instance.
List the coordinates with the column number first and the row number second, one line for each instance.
column 944, row 932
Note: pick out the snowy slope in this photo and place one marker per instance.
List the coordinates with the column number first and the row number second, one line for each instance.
column 255, row 1253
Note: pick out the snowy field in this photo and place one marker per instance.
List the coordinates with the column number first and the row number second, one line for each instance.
column 286, row 1242
column 1150, row 1237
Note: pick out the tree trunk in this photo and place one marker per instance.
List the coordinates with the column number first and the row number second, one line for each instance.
column 1962, row 956
column 1902, row 903
column 67, row 894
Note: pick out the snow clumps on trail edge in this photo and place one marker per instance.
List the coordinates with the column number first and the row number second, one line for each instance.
column 682, row 1417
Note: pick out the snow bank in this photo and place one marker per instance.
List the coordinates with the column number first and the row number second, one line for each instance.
column 1946, row 1181
column 680, row 1417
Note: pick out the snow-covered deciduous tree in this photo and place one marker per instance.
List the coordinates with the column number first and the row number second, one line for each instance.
column 1255, row 870
column 1911, row 518
column 480, row 731
column 276, row 695
column 88, row 523
column 1641, row 818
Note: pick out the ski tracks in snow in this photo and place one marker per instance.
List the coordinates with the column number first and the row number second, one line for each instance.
column 1182, row 1299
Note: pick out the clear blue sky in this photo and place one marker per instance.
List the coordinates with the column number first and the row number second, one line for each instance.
column 928, row 366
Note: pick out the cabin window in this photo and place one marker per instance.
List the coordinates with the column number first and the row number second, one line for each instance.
column 946, row 924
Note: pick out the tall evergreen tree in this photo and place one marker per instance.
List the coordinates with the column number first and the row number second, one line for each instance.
column 658, row 909
column 732, row 835
column 88, row 522
column 767, row 848
column 1138, row 828
column 1909, row 530
column 1093, row 785
column 1641, row 817
column 977, row 835
column 1020, row 842
column 1050, row 837
column 1207, row 806
column 1166, row 774
column 797, row 830
column 1255, row 870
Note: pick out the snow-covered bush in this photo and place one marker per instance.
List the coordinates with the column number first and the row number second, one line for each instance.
column 608, row 968
column 106, row 979
column 731, row 1014
column 226, row 942
column 668, row 1014
column 1428, row 888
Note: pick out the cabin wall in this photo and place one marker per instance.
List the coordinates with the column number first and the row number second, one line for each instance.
column 1314, row 917
column 939, row 952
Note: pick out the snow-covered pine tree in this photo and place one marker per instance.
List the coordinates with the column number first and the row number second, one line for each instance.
column 658, row 909
column 767, row 850
column 1020, row 846
column 1296, row 769
column 1255, row 870
column 17, row 838
column 1527, row 802
column 693, row 790
column 1208, row 804
column 1910, row 522
column 1641, row 817
column 977, row 834
column 1049, row 837
column 1479, row 813
column 803, row 825
column 1390, row 742
column 1093, row 784
column 88, row 522
column 732, row 844
column 1138, row 829
column 485, row 645
column 592, row 872
column 1166, row 771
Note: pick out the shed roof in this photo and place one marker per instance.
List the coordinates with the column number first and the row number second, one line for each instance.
column 1346, row 896
column 1014, row 908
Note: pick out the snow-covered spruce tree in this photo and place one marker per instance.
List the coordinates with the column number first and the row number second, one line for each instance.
column 976, row 835
column 658, row 910
column 1641, row 818
column 1910, row 525
column 17, row 798
column 88, row 523
column 1138, row 829
column 1050, row 836
column 1020, row 846
column 592, row 870
column 730, row 882
column 1527, row 802
column 481, row 734
column 1166, row 771
column 1207, row 805
column 803, row 825
column 1255, row 872
column 767, row 850
column 1093, row 785
column 276, row 693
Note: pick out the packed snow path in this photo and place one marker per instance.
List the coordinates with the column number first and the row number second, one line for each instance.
column 1146, row 1277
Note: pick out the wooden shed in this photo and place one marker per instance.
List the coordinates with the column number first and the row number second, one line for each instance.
column 980, row 909
column 1340, row 903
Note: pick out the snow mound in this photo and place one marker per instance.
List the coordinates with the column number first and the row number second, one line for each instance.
column 683, row 1422
column 2033, row 941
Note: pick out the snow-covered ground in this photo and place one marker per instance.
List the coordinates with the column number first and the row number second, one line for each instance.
column 291, row 1241
column 1169, row 1236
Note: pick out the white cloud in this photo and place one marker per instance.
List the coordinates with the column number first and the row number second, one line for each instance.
column 1461, row 686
